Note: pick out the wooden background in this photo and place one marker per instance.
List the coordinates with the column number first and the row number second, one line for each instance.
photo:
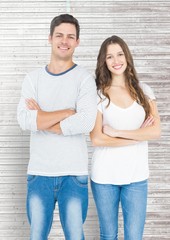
column 24, row 28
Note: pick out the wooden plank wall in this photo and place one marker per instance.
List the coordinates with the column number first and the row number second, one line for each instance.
column 24, row 28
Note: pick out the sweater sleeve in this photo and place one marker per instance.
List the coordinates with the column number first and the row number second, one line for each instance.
column 86, row 109
column 27, row 119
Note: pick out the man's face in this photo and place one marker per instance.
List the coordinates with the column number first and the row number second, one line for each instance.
column 64, row 41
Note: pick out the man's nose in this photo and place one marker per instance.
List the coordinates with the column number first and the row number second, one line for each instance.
column 64, row 39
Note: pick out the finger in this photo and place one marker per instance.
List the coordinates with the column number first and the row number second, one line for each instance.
column 35, row 104
column 32, row 104
column 145, row 122
column 148, row 122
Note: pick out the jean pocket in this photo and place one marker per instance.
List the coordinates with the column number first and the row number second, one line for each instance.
column 81, row 181
column 31, row 178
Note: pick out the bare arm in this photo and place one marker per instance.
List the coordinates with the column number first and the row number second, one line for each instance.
column 98, row 138
column 48, row 120
column 55, row 129
column 149, row 130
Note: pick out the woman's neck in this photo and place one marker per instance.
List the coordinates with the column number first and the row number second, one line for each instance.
column 118, row 81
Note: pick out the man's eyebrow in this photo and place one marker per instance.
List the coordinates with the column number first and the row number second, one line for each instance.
column 69, row 34
column 58, row 33
column 72, row 34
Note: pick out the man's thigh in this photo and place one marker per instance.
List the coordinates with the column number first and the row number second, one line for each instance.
column 40, row 206
column 73, row 204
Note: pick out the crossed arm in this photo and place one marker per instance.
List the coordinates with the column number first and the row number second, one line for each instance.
column 49, row 121
column 107, row 136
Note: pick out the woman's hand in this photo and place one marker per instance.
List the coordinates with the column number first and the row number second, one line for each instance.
column 110, row 131
column 148, row 122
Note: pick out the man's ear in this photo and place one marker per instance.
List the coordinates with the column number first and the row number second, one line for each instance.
column 49, row 38
column 78, row 42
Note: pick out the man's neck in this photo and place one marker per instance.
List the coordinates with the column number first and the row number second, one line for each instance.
column 58, row 67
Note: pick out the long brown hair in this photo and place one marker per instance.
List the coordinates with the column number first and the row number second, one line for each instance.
column 104, row 78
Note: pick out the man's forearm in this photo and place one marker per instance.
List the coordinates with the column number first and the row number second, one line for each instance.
column 55, row 129
column 46, row 120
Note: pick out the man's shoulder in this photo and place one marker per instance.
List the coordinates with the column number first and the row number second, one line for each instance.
column 32, row 77
column 82, row 69
column 36, row 72
column 83, row 72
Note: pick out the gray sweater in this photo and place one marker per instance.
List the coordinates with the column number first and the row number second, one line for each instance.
column 52, row 154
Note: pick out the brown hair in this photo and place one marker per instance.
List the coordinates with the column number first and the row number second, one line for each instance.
column 104, row 78
column 65, row 18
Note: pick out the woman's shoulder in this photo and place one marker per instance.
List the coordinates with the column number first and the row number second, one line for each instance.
column 143, row 85
column 100, row 97
column 148, row 91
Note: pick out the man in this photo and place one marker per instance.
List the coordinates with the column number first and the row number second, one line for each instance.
column 58, row 106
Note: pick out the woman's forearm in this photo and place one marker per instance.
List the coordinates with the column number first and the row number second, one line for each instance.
column 141, row 134
column 102, row 140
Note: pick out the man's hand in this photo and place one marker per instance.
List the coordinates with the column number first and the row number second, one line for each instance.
column 70, row 112
column 55, row 129
column 32, row 104
column 49, row 121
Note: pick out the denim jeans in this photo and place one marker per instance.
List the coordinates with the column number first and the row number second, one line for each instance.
column 133, row 198
column 71, row 193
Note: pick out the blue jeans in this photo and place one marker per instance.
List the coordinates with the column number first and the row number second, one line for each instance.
column 133, row 198
column 71, row 193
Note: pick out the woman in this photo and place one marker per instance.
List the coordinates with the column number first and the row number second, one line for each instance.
column 127, row 118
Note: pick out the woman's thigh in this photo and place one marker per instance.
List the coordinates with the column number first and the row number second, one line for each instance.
column 107, row 198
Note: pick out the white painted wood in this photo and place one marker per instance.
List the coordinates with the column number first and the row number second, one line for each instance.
column 24, row 29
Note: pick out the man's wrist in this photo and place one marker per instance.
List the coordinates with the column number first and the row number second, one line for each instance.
column 58, row 129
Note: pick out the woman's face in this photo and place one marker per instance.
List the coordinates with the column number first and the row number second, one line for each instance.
column 115, row 60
